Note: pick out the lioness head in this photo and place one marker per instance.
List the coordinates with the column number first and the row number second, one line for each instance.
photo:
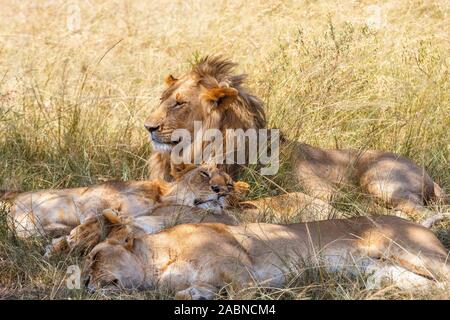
column 205, row 187
column 208, row 93
column 114, row 264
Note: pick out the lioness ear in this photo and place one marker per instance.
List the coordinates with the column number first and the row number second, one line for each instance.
column 111, row 216
column 169, row 80
column 179, row 170
column 241, row 188
column 219, row 97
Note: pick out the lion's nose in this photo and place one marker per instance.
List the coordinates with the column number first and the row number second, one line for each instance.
column 215, row 188
column 151, row 127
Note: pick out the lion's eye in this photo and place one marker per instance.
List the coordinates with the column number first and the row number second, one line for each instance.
column 178, row 104
column 230, row 185
column 204, row 173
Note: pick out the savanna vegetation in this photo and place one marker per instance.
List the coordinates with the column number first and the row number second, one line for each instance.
column 78, row 79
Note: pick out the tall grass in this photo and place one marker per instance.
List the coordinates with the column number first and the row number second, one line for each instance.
column 78, row 79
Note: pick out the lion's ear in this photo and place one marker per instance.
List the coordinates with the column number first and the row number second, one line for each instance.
column 170, row 80
column 219, row 97
column 241, row 188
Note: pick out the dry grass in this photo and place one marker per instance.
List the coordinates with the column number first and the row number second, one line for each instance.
column 73, row 100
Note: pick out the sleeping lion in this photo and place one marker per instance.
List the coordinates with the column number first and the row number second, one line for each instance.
column 56, row 212
column 196, row 260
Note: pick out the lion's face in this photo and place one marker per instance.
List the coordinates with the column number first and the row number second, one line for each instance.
column 205, row 187
column 185, row 101
column 113, row 265
column 210, row 95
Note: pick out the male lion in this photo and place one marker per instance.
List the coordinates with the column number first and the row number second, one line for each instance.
column 196, row 260
column 208, row 93
column 212, row 94
column 57, row 212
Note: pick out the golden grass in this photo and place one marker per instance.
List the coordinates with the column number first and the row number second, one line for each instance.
column 73, row 97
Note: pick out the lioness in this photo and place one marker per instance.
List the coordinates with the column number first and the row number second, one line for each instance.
column 57, row 212
column 211, row 93
column 196, row 260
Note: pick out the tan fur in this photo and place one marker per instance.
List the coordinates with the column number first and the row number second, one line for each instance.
column 57, row 212
column 391, row 179
column 8, row 195
column 113, row 225
column 286, row 207
column 201, row 258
